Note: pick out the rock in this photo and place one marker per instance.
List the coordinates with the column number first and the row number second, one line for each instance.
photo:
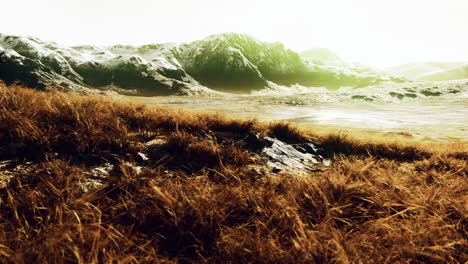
column 362, row 97
column 431, row 92
column 282, row 156
column 96, row 176
column 306, row 148
column 10, row 169
column 411, row 95
column 397, row 95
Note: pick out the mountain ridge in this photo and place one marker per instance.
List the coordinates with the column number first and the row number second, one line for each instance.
column 228, row 62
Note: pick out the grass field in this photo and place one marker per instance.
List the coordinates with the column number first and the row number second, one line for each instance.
column 197, row 198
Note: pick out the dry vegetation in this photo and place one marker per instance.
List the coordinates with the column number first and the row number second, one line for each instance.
column 196, row 200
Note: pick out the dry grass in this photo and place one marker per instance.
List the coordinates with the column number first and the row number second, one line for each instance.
column 197, row 201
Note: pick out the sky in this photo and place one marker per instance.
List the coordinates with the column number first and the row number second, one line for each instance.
column 374, row 32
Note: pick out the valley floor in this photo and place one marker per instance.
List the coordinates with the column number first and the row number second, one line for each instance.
column 95, row 180
column 441, row 118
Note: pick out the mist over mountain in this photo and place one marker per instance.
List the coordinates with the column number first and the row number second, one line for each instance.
column 226, row 62
column 322, row 55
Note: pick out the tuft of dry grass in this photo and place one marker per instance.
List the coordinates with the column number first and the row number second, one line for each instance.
column 197, row 200
column 287, row 133
column 342, row 144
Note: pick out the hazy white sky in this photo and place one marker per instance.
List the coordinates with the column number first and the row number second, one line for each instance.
column 376, row 32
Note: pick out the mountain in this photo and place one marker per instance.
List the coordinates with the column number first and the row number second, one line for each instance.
column 238, row 62
column 431, row 71
column 225, row 62
column 25, row 60
column 150, row 69
column 341, row 73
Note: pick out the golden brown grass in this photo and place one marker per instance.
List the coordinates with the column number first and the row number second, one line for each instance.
column 197, row 200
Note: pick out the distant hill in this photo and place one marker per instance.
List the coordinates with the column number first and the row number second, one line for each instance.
column 225, row 62
column 431, row 71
